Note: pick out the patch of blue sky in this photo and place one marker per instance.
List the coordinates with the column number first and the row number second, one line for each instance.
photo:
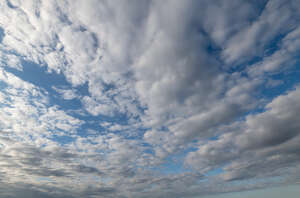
column 63, row 139
column 274, row 44
column 3, row 85
column 174, row 164
column 148, row 150
column 213, row 138
column 214, row 172
column 289, row 80
column 84, row 130
column 1, row 34
column 44, row 179
column 39, row 76
column 170, row 167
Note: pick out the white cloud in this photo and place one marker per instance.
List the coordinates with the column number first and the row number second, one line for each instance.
column 26, row 111
column 67, row 94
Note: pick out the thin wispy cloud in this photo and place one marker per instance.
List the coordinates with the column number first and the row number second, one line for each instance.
column 148, row 98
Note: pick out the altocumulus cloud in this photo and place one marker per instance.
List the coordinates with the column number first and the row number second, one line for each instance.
column 148, row 98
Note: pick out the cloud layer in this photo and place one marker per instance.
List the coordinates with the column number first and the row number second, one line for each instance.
column 148, row 99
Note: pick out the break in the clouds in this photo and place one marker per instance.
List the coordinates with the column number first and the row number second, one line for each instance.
column 148, row 99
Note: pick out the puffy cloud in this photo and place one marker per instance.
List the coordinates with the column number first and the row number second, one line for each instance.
column 67, row 94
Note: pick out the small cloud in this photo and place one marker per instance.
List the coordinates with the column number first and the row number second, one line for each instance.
column 67, row 94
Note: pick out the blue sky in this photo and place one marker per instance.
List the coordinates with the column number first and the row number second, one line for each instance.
column 145, row 99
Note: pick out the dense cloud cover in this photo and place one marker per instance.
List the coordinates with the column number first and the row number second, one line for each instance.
column 148, row 98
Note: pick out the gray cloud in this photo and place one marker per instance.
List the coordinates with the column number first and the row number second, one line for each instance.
column 261, row 146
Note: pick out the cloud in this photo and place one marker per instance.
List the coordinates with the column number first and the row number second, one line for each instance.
column 148, row 99
column 67, row 94
column 276, row 19
column 260, row 146
column 26, row 110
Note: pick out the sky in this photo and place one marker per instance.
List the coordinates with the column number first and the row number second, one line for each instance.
column 149, row 98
